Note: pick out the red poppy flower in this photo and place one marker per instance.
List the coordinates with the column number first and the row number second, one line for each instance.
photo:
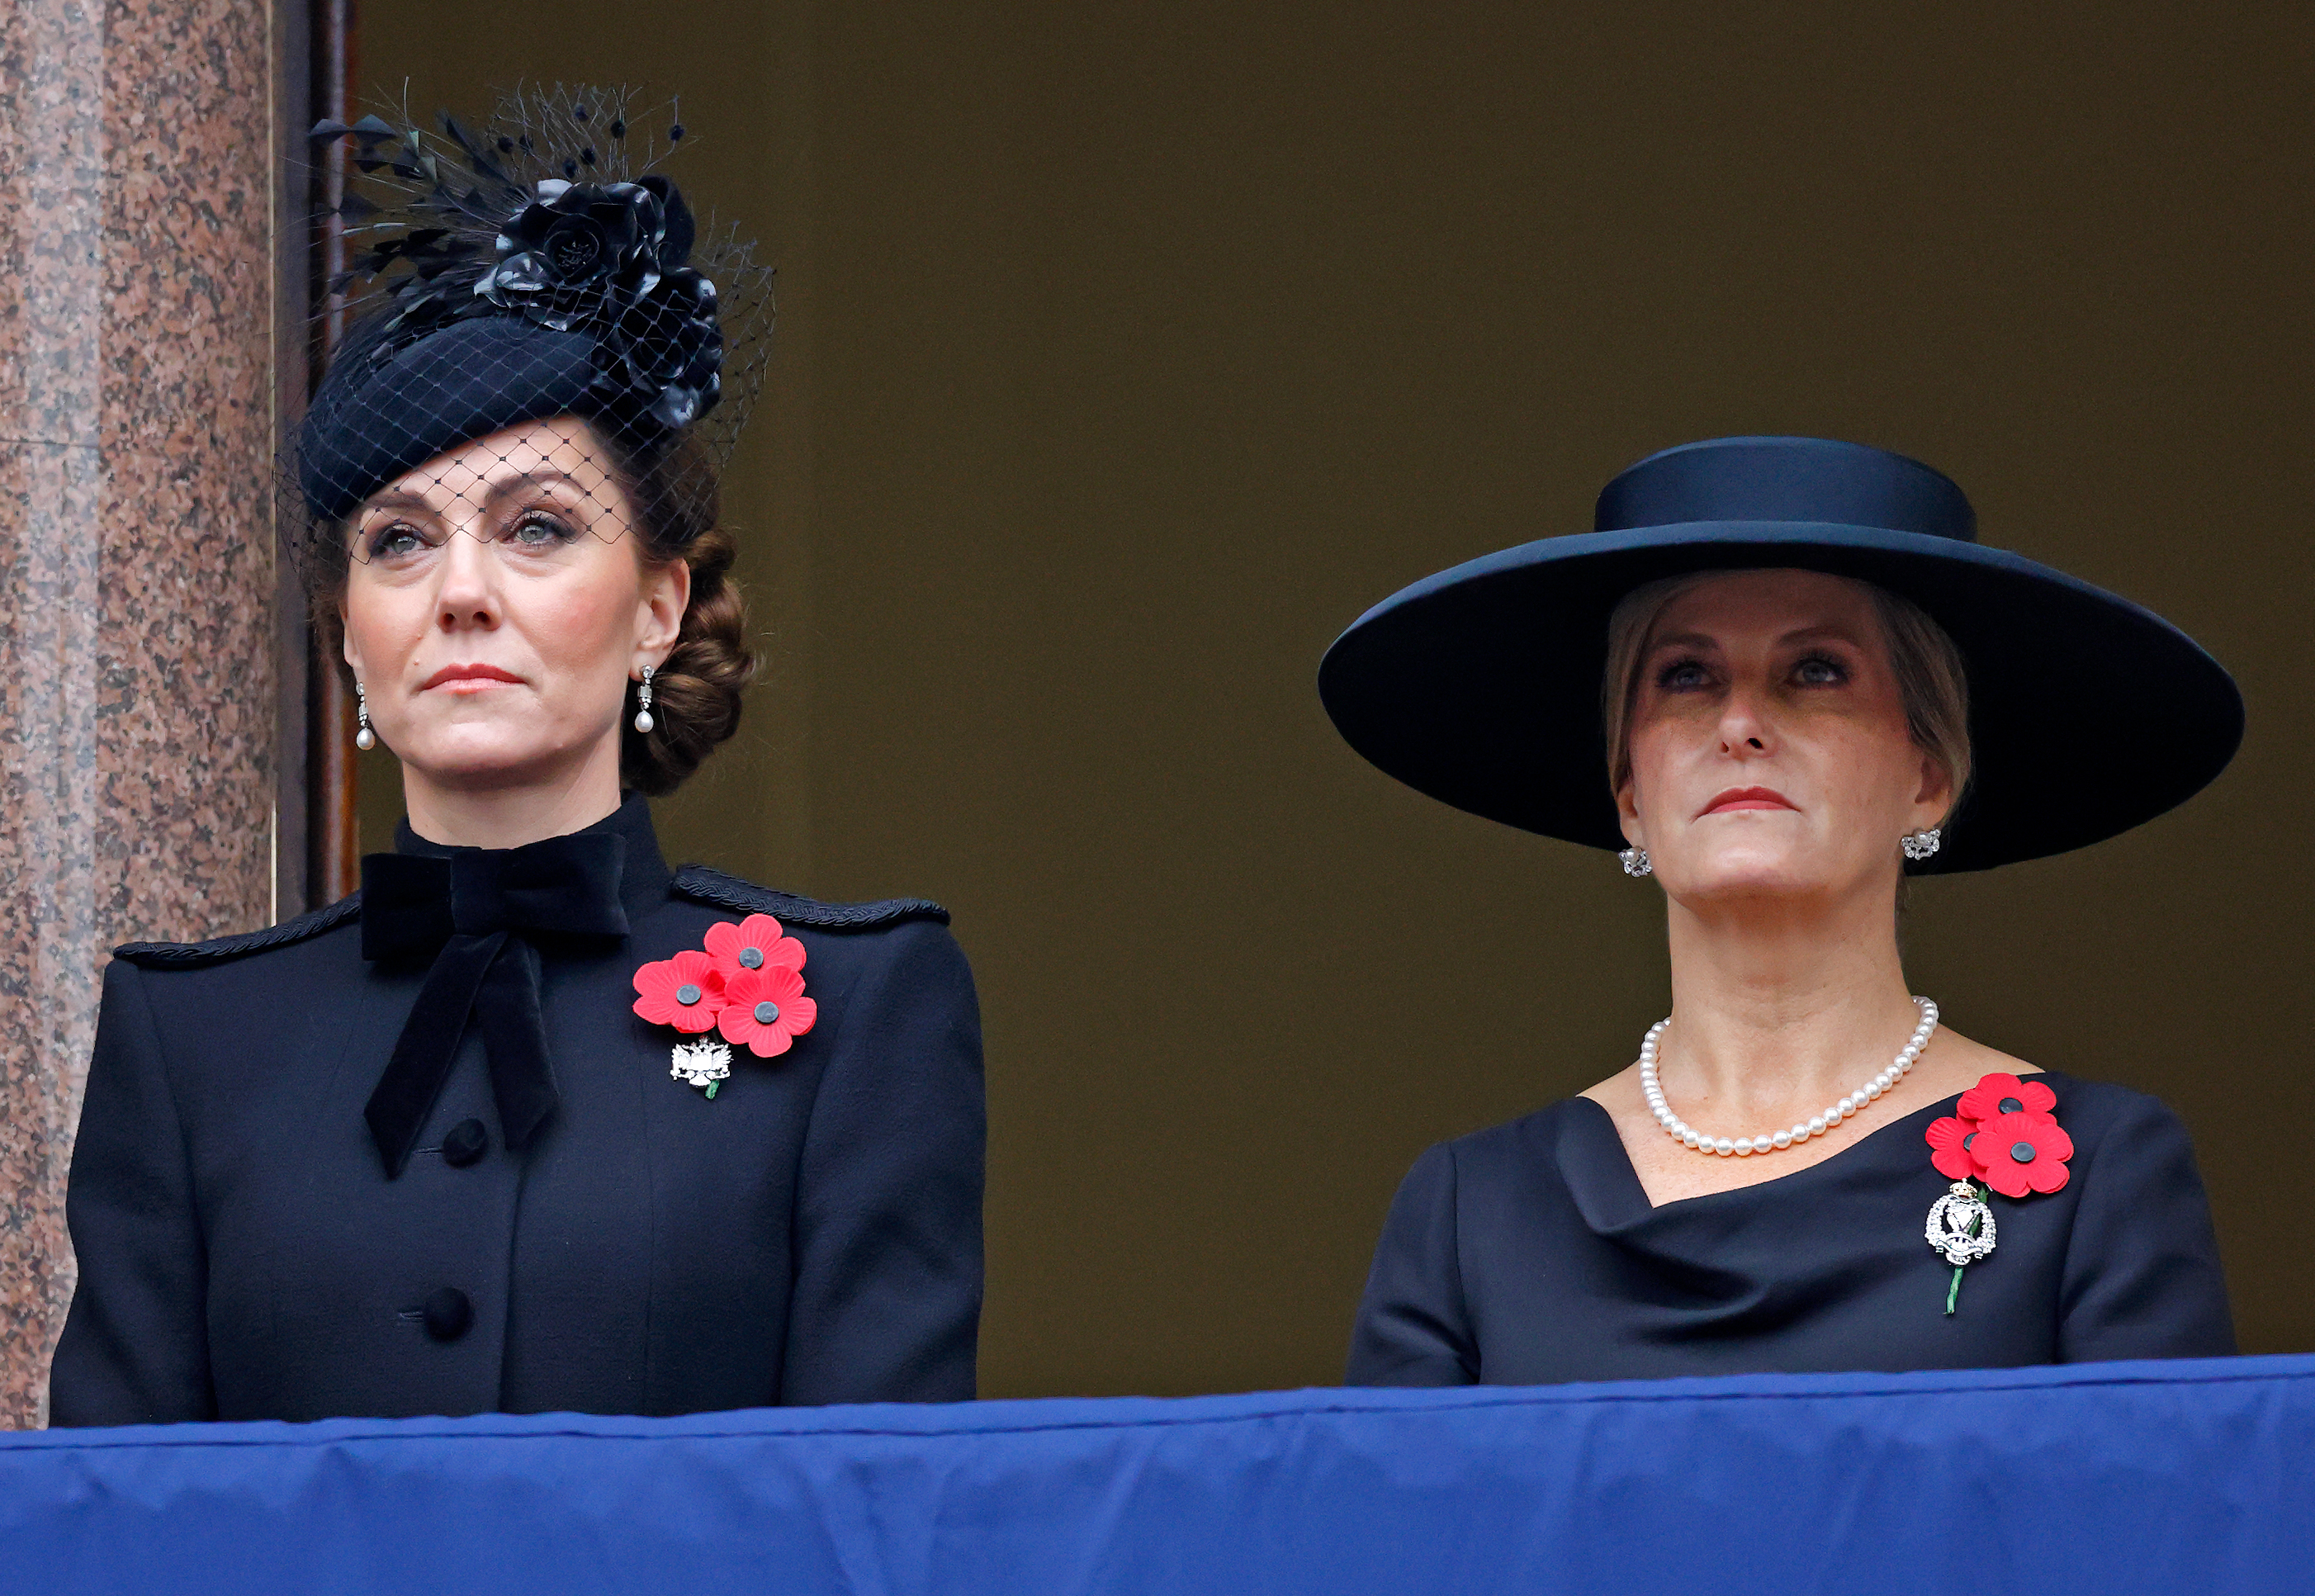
column 756, row 943
column 2023, row 1152
column 765, row 1010
column 1998, row 1094
column 684, row 991
column 1950, row 1143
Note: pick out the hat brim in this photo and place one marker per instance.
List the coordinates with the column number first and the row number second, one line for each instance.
column 1481, row 686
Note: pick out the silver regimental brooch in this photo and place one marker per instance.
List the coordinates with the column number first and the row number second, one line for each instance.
column 1961, row 1226
column 702, row 1064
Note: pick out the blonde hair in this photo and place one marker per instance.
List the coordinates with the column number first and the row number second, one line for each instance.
column 1931, row 682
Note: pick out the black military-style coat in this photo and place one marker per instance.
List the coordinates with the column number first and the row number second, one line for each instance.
column 812, row 1235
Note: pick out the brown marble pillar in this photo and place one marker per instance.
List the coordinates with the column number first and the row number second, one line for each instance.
column 137, row 589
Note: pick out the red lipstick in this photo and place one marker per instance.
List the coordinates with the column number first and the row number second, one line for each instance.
column 469, row 678
column 1739, row 798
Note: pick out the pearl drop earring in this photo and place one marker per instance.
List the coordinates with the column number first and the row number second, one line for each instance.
column 1637, row 861
column 644, row 722
column 363, row 738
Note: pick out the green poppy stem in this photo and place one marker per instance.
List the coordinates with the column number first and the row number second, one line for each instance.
column 711, row 1098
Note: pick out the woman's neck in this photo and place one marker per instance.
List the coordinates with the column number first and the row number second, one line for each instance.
column 506, row 812
column 1779, row 1009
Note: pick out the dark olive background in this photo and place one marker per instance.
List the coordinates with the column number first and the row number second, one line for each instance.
column 1127, row 352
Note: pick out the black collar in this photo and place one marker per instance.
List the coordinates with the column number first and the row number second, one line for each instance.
column 643, row 880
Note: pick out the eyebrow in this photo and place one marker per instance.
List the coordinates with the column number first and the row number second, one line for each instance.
column 1798, row 635
column 395, row 499
column 400, row 498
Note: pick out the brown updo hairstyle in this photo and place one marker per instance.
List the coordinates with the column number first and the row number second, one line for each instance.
column 696, row 692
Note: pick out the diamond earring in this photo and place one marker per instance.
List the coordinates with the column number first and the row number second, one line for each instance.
column 363, row 738
column 644, row 722
column 1635, row 861
column 1921, row 845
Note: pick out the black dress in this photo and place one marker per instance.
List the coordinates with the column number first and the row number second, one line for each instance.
column 1528, row 1255
column 812, row 1235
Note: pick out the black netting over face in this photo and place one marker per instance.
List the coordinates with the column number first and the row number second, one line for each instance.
column 543, row 343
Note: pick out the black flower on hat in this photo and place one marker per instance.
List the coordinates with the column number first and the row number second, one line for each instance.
column 571, row 237
column 608, row 259
column 665, row 347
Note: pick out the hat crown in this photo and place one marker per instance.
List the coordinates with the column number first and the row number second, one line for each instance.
column 1785, row 479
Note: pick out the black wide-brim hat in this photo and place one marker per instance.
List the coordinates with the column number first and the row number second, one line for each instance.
column 1481, row 686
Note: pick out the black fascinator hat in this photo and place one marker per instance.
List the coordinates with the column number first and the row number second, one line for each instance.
column 537, row 266
column 1481, row 686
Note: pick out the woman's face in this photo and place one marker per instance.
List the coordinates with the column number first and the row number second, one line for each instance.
column 1769, row 750
column 498, row 603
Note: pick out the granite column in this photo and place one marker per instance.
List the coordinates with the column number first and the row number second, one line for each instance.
column 137, row 572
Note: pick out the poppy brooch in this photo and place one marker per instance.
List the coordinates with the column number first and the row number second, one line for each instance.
column 2003, row 1136
column 746, row 987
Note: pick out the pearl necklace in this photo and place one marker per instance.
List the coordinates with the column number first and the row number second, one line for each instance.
column 1686, row 1135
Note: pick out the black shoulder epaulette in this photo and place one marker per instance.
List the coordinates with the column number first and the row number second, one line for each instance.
column 702, row 885
column 186, row 955
column 695, row 881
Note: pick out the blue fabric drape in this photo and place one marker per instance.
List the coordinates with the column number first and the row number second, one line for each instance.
column 2184, row 1476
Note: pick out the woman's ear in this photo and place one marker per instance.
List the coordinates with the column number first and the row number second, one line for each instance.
column 666, row 595
column 1933, row 803
column 1628, row 811
column 346, row 640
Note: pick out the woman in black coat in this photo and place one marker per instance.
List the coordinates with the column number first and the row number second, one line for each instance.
column 532, row 1121
column 1779, row 675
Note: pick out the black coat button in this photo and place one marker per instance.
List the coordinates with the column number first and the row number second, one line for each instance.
column 466, row 1144
column 448, row 1314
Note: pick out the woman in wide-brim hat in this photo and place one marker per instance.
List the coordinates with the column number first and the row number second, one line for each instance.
column 1779, row 676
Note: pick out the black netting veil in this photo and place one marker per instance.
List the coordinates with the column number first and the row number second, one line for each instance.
column 542, row 340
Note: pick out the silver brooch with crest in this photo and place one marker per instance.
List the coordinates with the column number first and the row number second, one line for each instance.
column 702, row 1064
column 1961, row 1226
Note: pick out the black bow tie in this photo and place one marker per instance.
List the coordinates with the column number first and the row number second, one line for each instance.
column 472, row 914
